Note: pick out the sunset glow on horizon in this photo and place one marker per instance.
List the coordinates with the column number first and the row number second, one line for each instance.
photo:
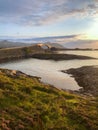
column 77, row 20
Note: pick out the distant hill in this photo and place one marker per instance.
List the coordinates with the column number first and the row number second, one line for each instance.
column 10, row 44
column 56, row 45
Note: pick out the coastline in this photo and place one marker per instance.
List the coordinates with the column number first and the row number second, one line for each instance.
column 11, row 54
column 87, row 78
column 59, row 57
column 26, row 103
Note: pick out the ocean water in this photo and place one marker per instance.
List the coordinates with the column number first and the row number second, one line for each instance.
column 50, row 71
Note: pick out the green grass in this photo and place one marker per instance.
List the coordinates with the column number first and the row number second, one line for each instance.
column 27, row 104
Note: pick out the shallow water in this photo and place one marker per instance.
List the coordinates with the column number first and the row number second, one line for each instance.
column 50, row 71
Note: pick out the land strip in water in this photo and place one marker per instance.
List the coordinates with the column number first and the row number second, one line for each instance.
column 58, row 57
column 35, row 51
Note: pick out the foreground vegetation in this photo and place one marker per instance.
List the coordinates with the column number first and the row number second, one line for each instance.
column 28, row 104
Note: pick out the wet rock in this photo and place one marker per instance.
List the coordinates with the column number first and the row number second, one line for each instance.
column 86, row 77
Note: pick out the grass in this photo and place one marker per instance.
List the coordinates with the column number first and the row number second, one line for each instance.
column 28, row 104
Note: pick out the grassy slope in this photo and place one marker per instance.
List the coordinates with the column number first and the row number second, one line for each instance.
column 27, row 104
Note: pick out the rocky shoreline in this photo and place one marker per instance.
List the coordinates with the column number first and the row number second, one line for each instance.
column 87, row 78
column 58, row 57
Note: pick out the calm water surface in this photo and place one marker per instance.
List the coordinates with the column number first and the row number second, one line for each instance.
column 50, row 71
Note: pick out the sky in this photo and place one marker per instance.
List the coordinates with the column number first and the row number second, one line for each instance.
column 71, row 22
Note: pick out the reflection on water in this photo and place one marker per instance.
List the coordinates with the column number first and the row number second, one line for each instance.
column 50, row 71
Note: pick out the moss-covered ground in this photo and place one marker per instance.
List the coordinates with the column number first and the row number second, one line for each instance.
column 28, row 104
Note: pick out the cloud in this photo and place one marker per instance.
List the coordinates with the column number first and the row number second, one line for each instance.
column 69, row 41
column 41, row 12
column 55, row 39
column 82, row 44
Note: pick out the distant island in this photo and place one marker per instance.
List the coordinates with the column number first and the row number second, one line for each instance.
column 58, row 57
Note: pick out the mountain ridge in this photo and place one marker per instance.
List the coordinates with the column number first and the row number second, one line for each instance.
column 10, row 44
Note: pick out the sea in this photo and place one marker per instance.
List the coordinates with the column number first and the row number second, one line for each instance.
column 50, row 71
